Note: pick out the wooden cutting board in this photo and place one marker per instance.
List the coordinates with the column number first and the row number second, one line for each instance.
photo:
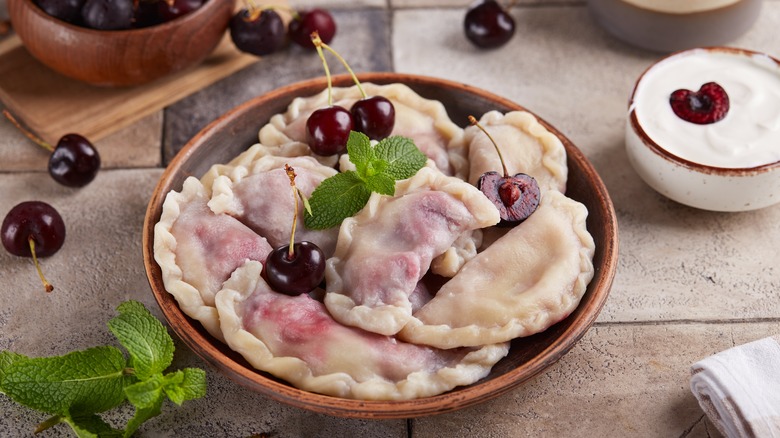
column 52, row 105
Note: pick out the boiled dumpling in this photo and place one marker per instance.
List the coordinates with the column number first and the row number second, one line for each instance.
column 294, row 338
column 197, row 251
column 385, row 249
column 526, row 281
column 260, row 197
column 526, row 145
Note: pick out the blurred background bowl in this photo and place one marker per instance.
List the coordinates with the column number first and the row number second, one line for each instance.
column 237, row 130
column 120, row 57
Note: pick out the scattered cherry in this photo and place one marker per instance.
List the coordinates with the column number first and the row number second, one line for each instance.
column 33, row 229
column 305, row 23
column 516, row 197
column 257, row 31
column 297, row 268
column 488, row 25
column 65, row 10
column 373, row 116
column 108, row 14
column 74, row 162
column 708, row 105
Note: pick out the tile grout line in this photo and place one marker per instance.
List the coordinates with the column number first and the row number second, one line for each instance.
column 688, row 322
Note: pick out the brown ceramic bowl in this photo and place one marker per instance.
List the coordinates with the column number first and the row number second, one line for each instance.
column 237, row 130
column 122, row 57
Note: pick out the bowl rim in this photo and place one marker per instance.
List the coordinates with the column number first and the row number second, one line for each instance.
column 201, row 344
column 179, row 21
column 659, row 150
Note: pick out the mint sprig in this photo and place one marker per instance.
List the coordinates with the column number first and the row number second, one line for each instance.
column 77, row 386
column 377, row 168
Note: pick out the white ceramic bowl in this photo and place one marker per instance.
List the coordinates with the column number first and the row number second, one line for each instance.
column 720, row 177
column 670, row 25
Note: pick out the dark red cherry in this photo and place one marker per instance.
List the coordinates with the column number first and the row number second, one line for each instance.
column 176, row 8
column 74, row 162
column 327, row 130
column 37, row 220
column 708, row 105
column 257, row 32
column 146, row 14
column 306, row 22
column 108, row 14
column 374, row 116
column 65, row 10
column 297, row 274
column 33, row 229
column 515, row 197
column 488, row 25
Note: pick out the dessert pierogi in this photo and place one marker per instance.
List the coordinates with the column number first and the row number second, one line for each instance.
column 385, row 249
column 296, row 339
column 415, row 301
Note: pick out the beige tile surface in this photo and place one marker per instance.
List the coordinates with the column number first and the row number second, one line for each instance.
column 137, row 145
column 620, row 380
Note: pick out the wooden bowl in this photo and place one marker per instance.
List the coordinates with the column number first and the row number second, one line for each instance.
column 235, row 131
column 122, row 57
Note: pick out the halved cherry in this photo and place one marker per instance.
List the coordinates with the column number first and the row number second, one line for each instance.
column 708, row 105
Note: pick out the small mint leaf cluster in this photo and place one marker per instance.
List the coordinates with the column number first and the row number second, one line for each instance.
column 75, row 387
column 377, row 168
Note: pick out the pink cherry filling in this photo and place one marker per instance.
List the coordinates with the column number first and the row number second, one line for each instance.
column 708, row 105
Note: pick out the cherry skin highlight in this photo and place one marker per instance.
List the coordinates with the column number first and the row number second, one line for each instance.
column 374, row 116
column 74, row 162
column 488, row 25
column 295, row 275
column 327, row 130
column 257, row 32
column 37, row 220
column 307, row 22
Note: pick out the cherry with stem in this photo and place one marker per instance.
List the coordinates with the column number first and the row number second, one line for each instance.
column 516, row 197
column 33, row 229
column 373, row 116
column 257, row 30
column 296, row 268
column 74, row 162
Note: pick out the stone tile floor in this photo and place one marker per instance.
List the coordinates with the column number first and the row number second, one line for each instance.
column 689, row 283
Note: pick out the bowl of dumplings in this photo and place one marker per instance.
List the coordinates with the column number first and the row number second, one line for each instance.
column 427, row 305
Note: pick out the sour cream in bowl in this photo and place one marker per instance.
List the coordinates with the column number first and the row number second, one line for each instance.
column 704, row 128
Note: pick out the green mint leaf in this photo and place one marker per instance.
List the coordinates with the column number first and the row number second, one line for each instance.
column 402, row 156
column 335, row 199
column 141, row 415
column 186, row 384
column 360, row 151
column 81, row 382
column 145, row 338
column 91, row 426
column 7, row 358
column 381, row 183
column 145, row 394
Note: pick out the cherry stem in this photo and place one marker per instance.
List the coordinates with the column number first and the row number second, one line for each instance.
column 46, row 285
column 49, row 423
column 253, row 9
column 319, row 43
column 291, row 174
column 315, row 38
column 37, row 140
column 500, row 157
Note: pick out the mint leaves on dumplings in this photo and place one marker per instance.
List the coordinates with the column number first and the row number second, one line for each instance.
column 377, row 168
column 75, row 387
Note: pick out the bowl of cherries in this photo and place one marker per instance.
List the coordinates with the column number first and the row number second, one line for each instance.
column 120, row 42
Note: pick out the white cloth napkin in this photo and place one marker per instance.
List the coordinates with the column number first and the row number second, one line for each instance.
column 739, row 389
